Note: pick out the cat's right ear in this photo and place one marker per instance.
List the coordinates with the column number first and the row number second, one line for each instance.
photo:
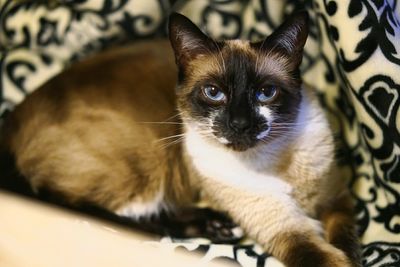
column 187, row 39
column 289, row 38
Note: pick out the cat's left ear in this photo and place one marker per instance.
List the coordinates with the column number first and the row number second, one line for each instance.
column 187, row 39
column 289, row 38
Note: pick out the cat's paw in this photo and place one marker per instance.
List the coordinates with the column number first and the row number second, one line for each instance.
column 323, row 259
column 302, row 250
column 338, row 259
column 214, row 226
column 223, row 231
column 333, row 257
column 205, row 223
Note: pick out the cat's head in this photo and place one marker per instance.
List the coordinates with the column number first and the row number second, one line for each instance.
column 237, row 93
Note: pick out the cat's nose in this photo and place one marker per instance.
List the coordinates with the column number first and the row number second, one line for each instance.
column 240, row 124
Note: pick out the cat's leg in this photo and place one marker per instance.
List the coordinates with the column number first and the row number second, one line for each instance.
column 340, row 227
column 279, row 225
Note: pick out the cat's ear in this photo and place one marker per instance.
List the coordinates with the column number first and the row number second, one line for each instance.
column 187, row 39
column 289, row 38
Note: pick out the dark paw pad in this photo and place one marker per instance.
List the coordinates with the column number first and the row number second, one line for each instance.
column 206, row 223
column 223, row 231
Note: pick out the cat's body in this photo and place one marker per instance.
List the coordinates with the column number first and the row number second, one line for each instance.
column 100, row 133
column 91, row 142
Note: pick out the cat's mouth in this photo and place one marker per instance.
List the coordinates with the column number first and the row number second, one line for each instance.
column 243, row 141
column 238, row 144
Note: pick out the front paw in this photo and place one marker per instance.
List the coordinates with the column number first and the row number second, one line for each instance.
column 337, row 258
column 331, row 257
column 205, row 223
column 302, row 250
column 214, row 226
column 222, row 230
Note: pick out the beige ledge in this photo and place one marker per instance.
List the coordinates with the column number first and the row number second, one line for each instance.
column 33, row 234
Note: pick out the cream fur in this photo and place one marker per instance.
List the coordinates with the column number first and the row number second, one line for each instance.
column 137, row 209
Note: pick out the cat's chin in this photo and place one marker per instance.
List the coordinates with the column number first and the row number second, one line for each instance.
column 241, row 147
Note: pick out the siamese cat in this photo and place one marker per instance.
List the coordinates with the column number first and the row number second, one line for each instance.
column 128, row 131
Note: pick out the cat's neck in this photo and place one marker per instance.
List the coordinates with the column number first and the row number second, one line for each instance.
column 257, row 159
column 245, row 170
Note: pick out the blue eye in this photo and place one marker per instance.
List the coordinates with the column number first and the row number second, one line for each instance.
column 266, row 94
column 213, row 93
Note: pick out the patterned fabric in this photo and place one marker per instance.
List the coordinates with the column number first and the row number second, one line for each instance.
column 352, row 59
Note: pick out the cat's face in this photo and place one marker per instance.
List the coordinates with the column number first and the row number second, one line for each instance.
column 237, row 93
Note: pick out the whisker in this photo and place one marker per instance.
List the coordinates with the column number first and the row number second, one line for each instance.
column 283, row 125
column 274, row 138
column 173, row 116
column 180, row 139
column 169, row 137
column 161, row 122
column 288, row 123
column 174, row 142
column 284, row 130
column 181, row 135
column 281, row 133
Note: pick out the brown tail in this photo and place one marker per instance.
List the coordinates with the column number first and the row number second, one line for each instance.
column 10, row 178
column 341, row 228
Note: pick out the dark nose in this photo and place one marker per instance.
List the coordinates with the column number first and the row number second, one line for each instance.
column 240, row 124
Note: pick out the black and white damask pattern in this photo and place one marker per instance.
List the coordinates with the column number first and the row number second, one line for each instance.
column 352, row 59
column 38, row 40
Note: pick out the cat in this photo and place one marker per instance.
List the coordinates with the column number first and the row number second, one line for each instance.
column 146, row 128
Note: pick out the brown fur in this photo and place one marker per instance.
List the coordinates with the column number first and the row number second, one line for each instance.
column 340, row 226
column 82, row 134
column 300, row 249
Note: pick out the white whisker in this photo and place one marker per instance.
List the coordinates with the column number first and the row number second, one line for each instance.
column 180, row 138
column 181, row 135
column 161, row 122
column 169, row 137
column 174, row 142
column 173, row 116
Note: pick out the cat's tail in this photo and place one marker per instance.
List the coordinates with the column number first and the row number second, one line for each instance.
column 10, row 177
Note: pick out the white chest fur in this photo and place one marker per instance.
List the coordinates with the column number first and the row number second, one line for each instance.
column 231, row 168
